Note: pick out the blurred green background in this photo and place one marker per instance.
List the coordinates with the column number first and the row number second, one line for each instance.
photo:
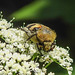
column 57, row 14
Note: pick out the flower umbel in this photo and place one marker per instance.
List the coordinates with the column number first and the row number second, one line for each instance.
column 21, row 57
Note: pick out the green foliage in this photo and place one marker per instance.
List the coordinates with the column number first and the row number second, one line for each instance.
column 74, row 69
column 30, row 11
column 47, row 9
column 58, row 70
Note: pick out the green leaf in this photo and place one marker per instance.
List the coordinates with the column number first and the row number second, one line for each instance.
column 14, row 73
column 56, row 61
column 30, row 11
column 47, row 9
column 73, row 69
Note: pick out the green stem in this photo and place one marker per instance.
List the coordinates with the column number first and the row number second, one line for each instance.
column 2, row 37
column 57, row 62
column 47, row 65
column 34, row 56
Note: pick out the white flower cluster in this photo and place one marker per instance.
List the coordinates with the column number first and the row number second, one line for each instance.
column 18, row 57
column 4, row 24
column 51, row 73
column 62, row 56
column 15, row 54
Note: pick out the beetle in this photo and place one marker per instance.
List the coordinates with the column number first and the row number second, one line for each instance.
column 42, row 35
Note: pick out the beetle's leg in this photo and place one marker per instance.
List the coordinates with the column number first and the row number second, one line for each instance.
column 39, row 48
column 53, row 45
column 23, row 29
column 47, row 45
column 30, row 37
column 27, row 34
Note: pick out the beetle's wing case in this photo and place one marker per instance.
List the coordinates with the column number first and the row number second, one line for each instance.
column 46, row 34
column 32, row 26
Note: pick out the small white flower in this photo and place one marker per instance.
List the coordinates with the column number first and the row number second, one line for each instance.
column 25, row 57
column 16, row 66
column 1, row 57
column 10, row 63
column 69, row 72
column 4, row 24
column 40, row 73
column 28, row 73
column 70, row 68
column 13, row 70
column 44, row 70
column 3, row 72
column 51, row 73
column 10, row 73
column 2, row 45
column 15, row 56
column 22, row 71
column 9, row 55
column 33, row 65
column 6, row 51
column 26, row 64
column 32, row 49
column 1, row 67
column 26, row 45
column 1, row 52
column 20, row 46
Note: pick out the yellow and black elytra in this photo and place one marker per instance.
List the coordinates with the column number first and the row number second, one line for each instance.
column 42, row 35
